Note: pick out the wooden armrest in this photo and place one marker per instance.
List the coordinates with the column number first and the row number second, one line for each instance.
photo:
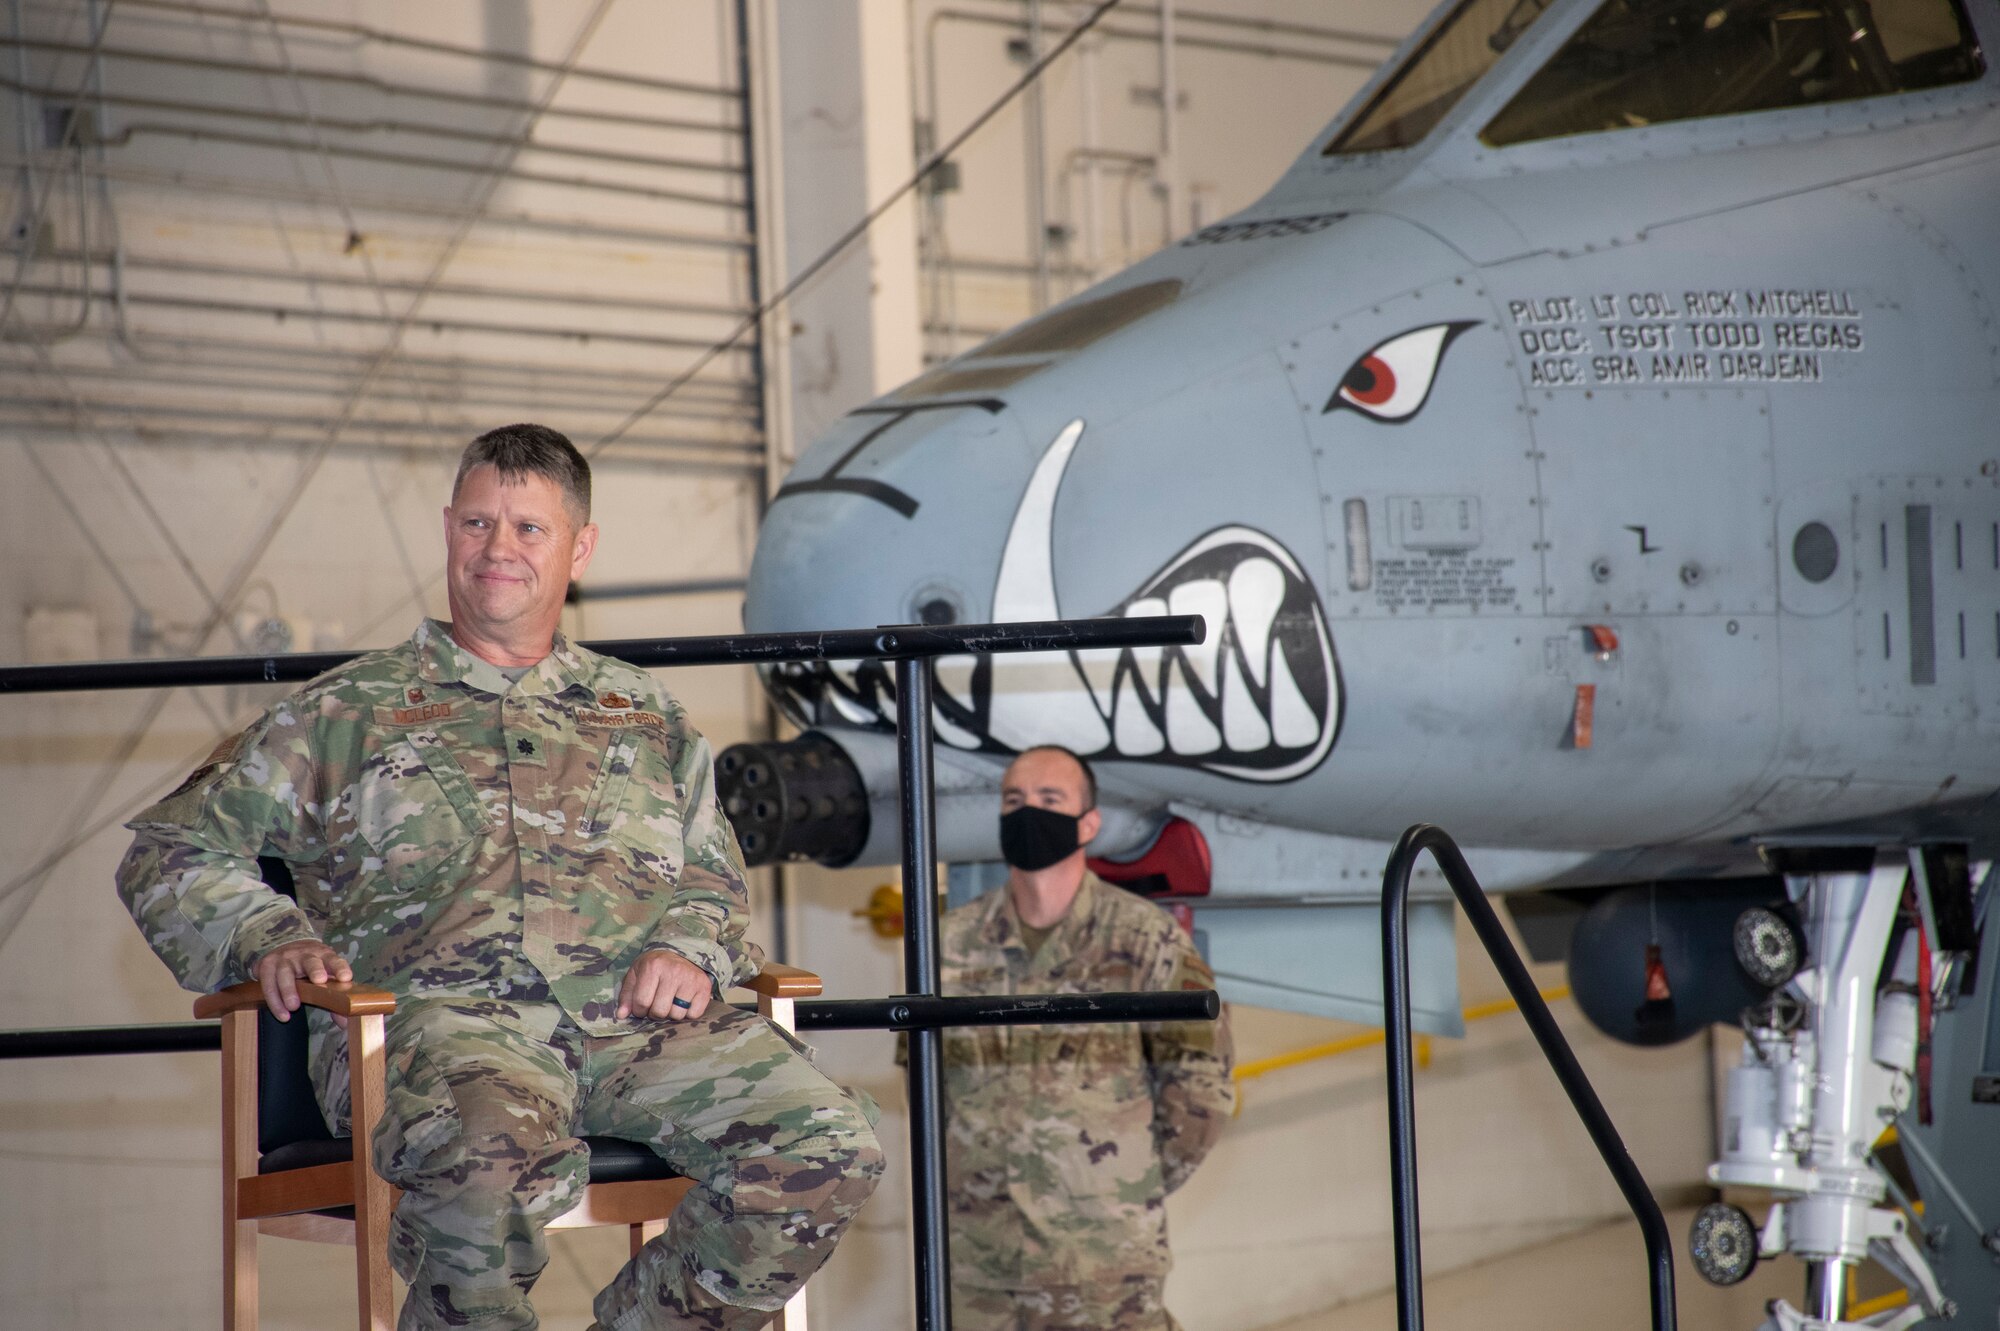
column 349, row 1000
column 776, row 981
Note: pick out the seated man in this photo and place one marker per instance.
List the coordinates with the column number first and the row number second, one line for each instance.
column 1063, row 1142
column 521, row 840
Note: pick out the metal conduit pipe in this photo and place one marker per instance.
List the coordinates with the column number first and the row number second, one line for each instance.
column 182, row 378
column 19, row 407
column 157, row 420
column 378, row 87
column 265, row 115
column 320, row 278
column 570, row 228
column 337, row 364
column 1252, row 23
column 309, row 313
column 1264, row 49
column 451, row 370
column 195, row 134
column 648, row 454
column 1015, row 268
column 480, row 53
column 375, row 424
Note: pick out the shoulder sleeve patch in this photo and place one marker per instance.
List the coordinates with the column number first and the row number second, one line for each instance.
column 180, row 805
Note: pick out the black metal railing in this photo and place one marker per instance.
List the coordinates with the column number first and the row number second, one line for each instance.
column 897, row 1012
column 1402, row 1108
column 895, row 642
column 922, row 1011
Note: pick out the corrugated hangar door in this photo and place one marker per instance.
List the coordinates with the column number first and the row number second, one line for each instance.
column 264, row 271
column 298, row 233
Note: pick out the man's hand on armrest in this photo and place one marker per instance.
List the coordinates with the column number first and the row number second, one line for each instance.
column 279, row 971
column 664, row 986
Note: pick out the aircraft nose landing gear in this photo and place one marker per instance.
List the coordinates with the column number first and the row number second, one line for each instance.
column 1827, row 1065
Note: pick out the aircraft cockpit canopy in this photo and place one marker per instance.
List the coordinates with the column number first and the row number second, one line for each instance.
column 1635, row 63
column 1438, row 73
column 1649, row 62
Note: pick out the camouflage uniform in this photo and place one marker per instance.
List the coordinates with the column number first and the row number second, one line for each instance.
column 499, row 854
column 1064, row 1141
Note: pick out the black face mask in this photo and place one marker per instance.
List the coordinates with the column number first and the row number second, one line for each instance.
column 1032, row 838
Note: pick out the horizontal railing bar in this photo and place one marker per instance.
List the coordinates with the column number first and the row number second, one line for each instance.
column 893, row 641
column 636, row 591
column 82, row 1041
column 916, row 1012
column 896, row 1013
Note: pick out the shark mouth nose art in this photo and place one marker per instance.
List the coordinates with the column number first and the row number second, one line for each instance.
column 1259, row 700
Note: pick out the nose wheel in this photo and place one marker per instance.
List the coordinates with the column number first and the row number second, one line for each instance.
column 1722, row 1243
column 1767, row 947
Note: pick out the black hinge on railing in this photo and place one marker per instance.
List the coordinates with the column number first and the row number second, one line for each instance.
column 1402, row 1108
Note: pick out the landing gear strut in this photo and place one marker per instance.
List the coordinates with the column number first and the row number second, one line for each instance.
column 1827, row 1064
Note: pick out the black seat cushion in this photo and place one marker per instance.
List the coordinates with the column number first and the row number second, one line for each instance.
column 292, row 1135
column 612, row 1159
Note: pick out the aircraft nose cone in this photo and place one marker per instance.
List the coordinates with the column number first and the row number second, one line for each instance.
column 896, row 516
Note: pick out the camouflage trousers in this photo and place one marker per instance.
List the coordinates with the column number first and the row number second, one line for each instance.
column 481, row 1129
column 1131, row 1304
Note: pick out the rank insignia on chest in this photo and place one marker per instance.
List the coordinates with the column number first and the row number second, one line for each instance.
column 616, row 702
column 413, row 696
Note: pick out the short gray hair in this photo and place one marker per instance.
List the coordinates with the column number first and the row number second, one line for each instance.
column 531, row 450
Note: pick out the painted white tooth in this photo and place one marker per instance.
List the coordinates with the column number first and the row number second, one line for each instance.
column 1188, row 729
column 1208, row 598
column 1256, row 590
column 1244, row 728
column 1099, row 669
column 1038, row 699
column 1133, row 732
column 1293, row 725
column 846, row 672
column 1026, row 586
column 1146, row 660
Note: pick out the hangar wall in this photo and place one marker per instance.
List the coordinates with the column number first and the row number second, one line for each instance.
column 268, row 305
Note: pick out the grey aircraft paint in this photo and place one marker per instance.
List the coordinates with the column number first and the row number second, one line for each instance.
column 1611, row 498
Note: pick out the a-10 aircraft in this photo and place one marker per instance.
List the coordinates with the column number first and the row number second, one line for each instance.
column 1591, row 446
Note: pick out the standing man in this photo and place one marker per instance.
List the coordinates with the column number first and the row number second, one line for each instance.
column 521, row 840
column 1064, row 1141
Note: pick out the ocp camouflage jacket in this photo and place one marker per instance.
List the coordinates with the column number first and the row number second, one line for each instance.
column 453, row 833
column 1064, row 1141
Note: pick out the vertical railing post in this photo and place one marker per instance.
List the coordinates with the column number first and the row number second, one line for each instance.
column 921, row 976
column 1402, row 1100
column 1541, row 1024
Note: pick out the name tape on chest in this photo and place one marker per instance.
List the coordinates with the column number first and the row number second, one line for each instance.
column 620, row 720
column 411, row 716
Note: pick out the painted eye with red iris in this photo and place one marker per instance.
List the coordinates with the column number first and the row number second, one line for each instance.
column 1392, row 381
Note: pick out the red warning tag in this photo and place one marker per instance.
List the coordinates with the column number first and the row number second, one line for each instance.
column 1582, row 718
